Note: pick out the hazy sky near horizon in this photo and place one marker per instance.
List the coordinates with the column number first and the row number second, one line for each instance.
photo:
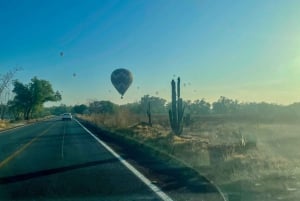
column 246, row 50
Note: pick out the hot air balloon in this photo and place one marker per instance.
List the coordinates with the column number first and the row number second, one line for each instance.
column 61, row 54
column 121, row 79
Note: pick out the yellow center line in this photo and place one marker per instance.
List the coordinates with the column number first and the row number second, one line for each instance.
column 21, row 149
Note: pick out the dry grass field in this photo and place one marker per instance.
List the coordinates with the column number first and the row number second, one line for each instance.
column 248, row 160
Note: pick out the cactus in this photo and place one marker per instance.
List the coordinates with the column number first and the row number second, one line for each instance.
column 177, row 110
column 149, row 114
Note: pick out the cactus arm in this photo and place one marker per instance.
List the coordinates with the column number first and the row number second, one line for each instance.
column 178, row 88
column 174, row 107
column 177, row 109
column 170, row 118
column 149, row 114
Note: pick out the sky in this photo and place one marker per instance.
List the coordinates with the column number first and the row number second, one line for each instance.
column 245, row 50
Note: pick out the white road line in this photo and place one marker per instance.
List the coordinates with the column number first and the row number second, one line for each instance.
column 146, row 181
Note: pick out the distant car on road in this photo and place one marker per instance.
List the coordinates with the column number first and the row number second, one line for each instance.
column 66, row 116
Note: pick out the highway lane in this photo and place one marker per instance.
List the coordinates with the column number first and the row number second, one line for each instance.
column 59, row 160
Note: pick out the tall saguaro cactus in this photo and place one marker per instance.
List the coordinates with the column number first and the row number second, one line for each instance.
column 149, row 114
column 177, row 109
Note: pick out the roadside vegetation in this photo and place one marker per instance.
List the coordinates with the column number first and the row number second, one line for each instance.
column 248, row 149
column 24, row 103
column 3, row 125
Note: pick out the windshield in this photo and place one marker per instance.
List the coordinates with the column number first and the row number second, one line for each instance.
column 164, row 100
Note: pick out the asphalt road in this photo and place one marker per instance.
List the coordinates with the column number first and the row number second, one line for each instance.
column 59, row 160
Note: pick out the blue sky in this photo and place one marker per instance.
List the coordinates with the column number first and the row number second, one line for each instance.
column 246, row 50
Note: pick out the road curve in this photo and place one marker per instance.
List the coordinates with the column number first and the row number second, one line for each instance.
column 60, row 160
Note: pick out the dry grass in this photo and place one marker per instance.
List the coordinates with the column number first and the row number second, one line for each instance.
column 122, row 119
column 3, row 125
column 252, row 159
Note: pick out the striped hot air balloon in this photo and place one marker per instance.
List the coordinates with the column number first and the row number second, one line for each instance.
column 121, row 79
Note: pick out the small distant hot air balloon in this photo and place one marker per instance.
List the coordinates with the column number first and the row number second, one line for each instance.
column 121, row 79
column 61, row 54
column 74, row 74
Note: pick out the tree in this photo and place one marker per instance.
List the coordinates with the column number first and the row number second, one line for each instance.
column 58, row 110
column 15, row 109
column 30, row 97
column 80, row 109
column 6, row 79
column 102, row 107
column 5, row 82
column 225, row 106
column 133, row 107
column 157, row 104
column 198, row 107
